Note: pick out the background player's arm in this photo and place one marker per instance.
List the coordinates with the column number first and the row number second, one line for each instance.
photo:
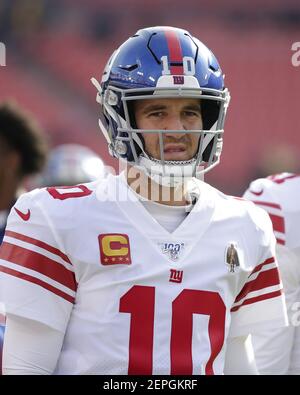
column 260, row 305
column 30, row 347
column 273, row 347
column 239, row 358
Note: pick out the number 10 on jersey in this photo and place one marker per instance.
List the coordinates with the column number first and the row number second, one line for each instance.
column 139, row 302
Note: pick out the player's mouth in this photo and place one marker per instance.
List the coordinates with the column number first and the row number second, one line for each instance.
column 175, row 152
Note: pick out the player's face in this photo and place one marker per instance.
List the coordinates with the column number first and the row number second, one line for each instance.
column 170, row 114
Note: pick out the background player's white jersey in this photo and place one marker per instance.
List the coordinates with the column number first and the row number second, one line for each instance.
column 91, row 262
column 278, row 351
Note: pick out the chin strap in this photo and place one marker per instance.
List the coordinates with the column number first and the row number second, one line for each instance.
column 171, row 174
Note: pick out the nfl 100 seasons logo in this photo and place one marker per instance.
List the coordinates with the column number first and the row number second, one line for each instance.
column 172, row 250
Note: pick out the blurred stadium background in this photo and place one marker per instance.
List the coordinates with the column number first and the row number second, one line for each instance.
column 53, row 47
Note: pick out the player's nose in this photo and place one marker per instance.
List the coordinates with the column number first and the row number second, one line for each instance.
column 174, row 123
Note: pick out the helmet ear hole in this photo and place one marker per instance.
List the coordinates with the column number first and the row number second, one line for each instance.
column 131, row 112
column 133, row 124
column 210, row 110
column 207, row 151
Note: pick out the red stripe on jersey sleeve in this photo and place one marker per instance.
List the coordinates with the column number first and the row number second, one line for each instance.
column 258, row 299
column 38, row 243
column 258, row 267
column 39, row 263
column 267, row 204
column 278, row 223
column 264, row 279
column 39, row 282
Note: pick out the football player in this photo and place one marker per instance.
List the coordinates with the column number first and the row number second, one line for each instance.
column 152, row 271
column 22, row 153
column 277, row 350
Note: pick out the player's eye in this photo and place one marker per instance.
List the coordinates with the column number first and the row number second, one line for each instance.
column 156, row 114
column 192, row 114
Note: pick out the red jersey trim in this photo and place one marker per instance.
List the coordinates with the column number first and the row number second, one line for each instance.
column 39, row 282
column 264, row 279
column 39, row 263
column 38, row 243
column 258, row 299
column 258, row 267
column 267, row 204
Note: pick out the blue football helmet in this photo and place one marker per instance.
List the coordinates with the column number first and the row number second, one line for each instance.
column 71, row 164
column 162, row 62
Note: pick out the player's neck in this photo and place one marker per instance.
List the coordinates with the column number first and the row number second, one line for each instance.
column 144, row 186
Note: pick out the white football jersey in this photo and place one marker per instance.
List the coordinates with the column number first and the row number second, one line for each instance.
column 278, row 351
column 132, row 298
